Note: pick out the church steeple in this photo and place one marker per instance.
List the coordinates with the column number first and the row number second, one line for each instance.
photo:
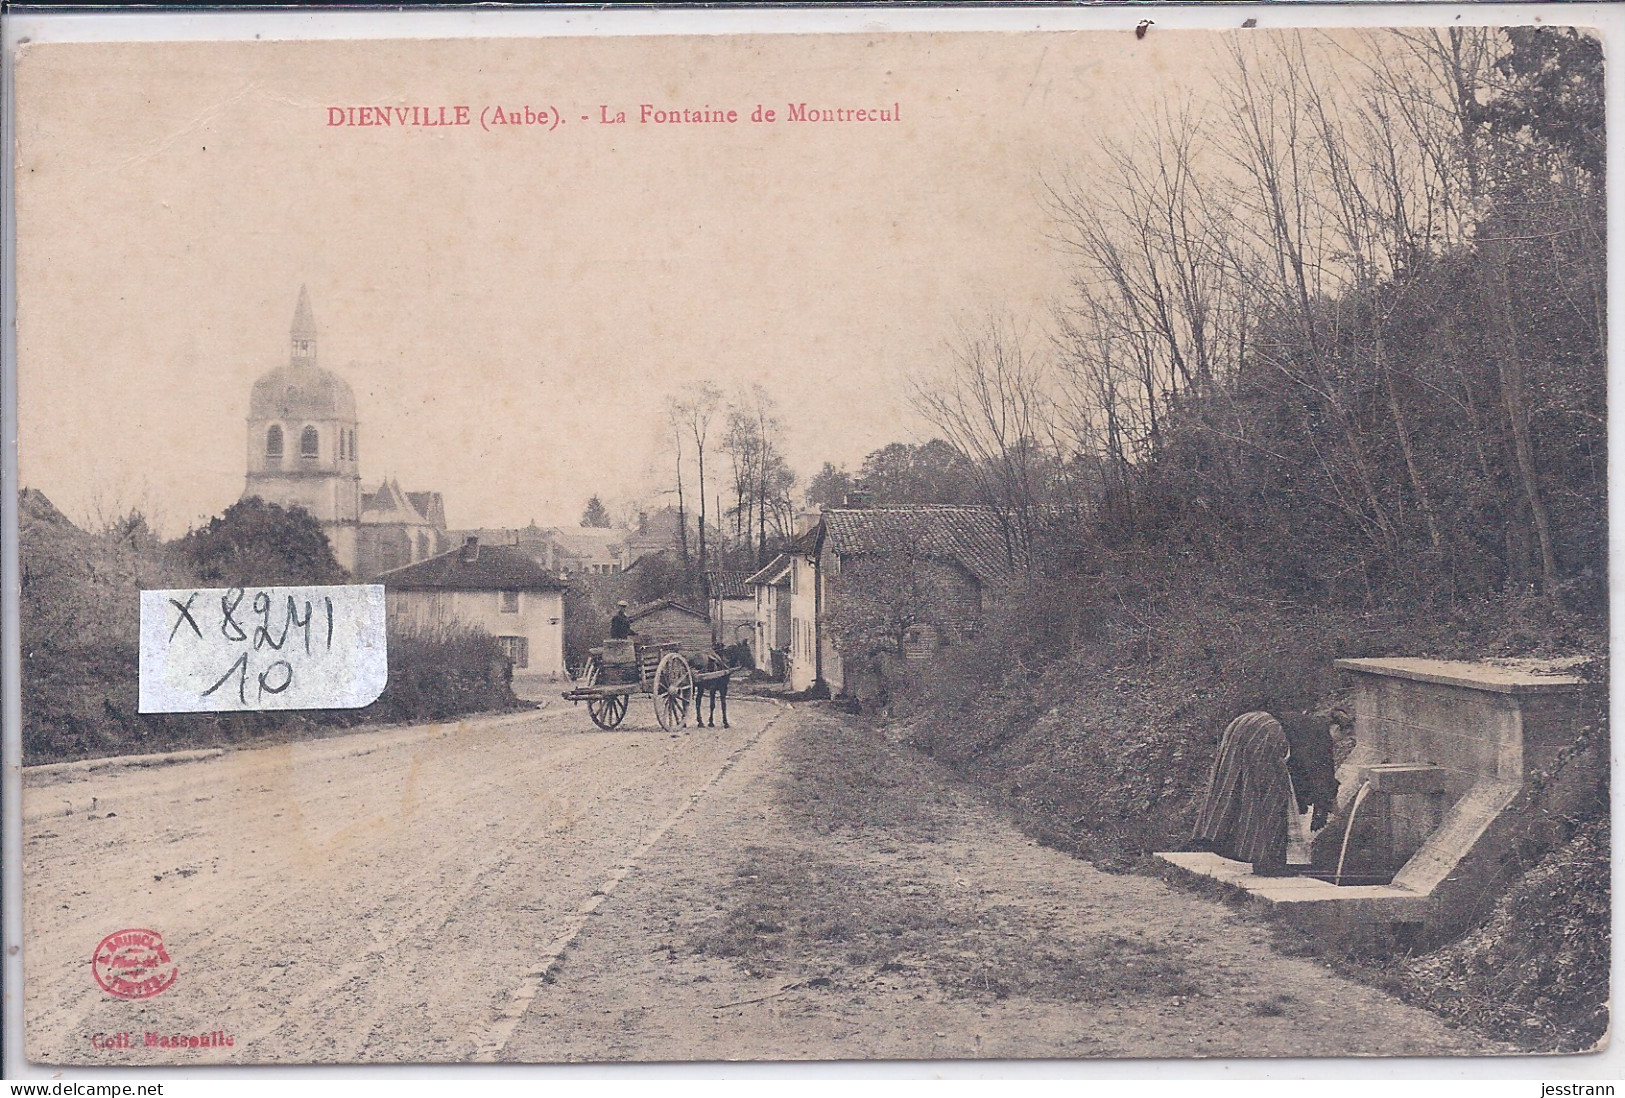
column 303, row 333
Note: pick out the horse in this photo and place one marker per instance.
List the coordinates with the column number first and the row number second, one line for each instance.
column 711, row 674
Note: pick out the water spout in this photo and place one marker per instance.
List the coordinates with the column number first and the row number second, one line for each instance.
column 1354, row 810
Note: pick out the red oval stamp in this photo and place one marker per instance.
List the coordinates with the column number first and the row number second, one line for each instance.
column 133, row 964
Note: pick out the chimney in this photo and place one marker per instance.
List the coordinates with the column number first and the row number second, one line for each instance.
column 860, row 499
column 643, row 522
column 471, row 550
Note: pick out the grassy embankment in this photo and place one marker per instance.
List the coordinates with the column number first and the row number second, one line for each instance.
column 1096, row 725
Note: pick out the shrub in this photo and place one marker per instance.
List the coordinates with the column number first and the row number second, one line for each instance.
column 80, row 701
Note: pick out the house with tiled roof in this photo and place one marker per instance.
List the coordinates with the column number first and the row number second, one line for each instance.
column 898, row 583
column 494, row 588
column 589, row 550
column 770, row 602
column 733, row 607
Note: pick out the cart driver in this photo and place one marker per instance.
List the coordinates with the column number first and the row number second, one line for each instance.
column 620, row 626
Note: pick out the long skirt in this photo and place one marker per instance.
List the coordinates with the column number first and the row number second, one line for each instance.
column 1244, row 814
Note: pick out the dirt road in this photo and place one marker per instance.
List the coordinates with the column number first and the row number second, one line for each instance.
column 523, row 888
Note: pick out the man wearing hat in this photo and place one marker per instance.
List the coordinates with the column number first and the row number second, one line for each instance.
column 620, row 626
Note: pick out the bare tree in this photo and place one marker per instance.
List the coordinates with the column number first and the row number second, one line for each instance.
column 695, row 411
column 676, row 423
column 991, row 403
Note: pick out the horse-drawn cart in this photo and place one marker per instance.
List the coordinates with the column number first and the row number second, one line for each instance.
column 622, row 668
column 667, row 671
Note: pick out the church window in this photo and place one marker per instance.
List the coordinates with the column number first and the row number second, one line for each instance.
column 309, row 443
column 510, row 602
column 423, row 546
column 273, row 441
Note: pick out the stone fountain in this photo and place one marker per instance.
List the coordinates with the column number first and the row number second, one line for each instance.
column 1442, row 750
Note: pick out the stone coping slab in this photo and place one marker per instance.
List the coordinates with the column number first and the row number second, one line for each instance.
column 1391, row 900
column 1509, row 677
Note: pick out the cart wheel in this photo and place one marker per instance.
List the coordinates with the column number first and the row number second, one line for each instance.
column 607, row 712
column 674, row 691
column 591, row 675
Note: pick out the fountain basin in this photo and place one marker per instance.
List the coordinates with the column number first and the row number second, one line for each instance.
column 1329, row 910
column 1442, row 749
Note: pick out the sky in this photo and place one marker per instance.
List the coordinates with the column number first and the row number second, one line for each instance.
column 513, row 304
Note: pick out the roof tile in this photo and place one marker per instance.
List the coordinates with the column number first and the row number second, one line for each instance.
column 494, row 568
column 970, row 536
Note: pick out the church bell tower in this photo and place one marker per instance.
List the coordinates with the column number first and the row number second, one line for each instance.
column 303, row 439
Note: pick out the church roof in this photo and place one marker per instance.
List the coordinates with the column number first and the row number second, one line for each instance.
column 390, row 505
column 304, row 321
column 301, row 389
column 431, row 505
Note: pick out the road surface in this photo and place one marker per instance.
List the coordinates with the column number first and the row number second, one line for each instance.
column 528, row 888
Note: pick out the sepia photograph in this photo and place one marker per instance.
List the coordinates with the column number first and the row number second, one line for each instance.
column 870, row 546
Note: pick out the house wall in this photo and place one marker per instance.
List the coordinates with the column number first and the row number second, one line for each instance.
column 734, row 620
column 772, row 624
column 804, row 631
column 539, row 619
column 959, row 598
column 801, row 664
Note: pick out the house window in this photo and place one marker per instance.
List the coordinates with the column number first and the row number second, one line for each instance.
column 273, row 441
column 309, row 443
column 423, row 546
column 509, row 602
column 919, row 642
column 516, row 649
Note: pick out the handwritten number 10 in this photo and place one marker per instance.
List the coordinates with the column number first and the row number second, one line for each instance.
column 239, row 667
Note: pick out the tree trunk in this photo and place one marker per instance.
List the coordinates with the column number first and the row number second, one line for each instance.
column 1510, row 370
column 1422, row 498
column 701, row 456
column 682, row 515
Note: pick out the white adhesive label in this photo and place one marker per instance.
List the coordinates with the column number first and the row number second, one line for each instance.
column 247, row 648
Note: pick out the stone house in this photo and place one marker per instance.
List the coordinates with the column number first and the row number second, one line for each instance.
column 770, row 644
column 902, row 582
column 492, row 588
column 733, row 608
column 589, row 550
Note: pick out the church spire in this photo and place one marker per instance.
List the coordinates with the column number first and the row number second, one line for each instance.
column 303, row 332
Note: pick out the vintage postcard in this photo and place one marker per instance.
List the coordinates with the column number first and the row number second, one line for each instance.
column 880, row 545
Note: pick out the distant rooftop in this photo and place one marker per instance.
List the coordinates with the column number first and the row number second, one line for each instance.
column 476, row 568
